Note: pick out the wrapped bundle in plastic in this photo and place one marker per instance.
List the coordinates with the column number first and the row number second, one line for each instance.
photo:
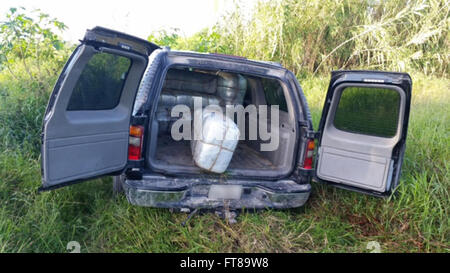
column 171, row 98
column 231, row 88
column 213, row 146
column 167, row 100
column 164, row 119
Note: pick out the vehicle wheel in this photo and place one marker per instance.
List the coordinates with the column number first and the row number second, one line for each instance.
column 117, row 184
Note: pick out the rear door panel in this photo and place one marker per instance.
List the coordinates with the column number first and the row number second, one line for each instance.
column 363, row 128
column 86, row 126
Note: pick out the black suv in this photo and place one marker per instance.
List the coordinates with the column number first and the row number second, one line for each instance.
column 110, row 114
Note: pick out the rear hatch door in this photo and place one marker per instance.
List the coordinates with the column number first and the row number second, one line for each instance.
column 86, row 126
column 363, row 130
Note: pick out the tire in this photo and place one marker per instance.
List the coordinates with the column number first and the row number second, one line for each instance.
column 117, row 184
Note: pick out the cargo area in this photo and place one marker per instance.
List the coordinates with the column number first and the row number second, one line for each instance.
column 244, row 156
column 182, row 85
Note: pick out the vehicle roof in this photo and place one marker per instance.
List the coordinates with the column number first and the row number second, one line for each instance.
column 225, row 57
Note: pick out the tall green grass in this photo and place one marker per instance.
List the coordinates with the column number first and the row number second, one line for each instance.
column 312, row 36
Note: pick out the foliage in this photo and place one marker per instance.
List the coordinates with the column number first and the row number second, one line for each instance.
column 30, row 48
column 205, row 40
column 405, row 36
column 312, row 36
column 31, row 57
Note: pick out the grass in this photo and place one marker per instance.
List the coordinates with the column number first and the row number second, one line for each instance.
column 416, row 219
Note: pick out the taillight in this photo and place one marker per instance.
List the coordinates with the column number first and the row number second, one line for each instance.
column 135, row 142
column 309, row 155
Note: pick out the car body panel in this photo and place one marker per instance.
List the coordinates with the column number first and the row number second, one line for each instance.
column 86, row 143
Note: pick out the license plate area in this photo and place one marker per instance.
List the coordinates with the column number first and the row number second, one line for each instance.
column 225, row 192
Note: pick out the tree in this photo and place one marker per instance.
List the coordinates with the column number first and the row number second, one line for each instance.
column 30, row 48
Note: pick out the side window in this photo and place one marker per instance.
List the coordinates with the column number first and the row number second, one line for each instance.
column 274, row 94
column 248, row 99
column 100, row 84
column 368, row 111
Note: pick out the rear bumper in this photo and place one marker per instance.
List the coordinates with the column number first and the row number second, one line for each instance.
column 167, row 192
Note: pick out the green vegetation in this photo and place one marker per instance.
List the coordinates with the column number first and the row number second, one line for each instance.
column 312, row 36
column 307, row 37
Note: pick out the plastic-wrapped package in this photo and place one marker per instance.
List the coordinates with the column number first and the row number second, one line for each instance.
column 164, row 119
column 213, row 146
column 167, row 99
column 190, row 81
column 171, row 98
column 210, row 100
column 231, row 88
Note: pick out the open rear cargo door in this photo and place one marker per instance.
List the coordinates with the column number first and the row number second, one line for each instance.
column 86, row 126
column 363, row 130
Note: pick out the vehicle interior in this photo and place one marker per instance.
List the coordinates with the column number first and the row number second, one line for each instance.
column 183, row 84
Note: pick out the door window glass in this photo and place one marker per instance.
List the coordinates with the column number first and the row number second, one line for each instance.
column 369, row 111
column 274, row 94
column 100, row 84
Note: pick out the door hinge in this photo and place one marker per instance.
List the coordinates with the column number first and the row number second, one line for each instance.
column 312, row 134
column 309, row 133
column 138, row 120
column 303, row 124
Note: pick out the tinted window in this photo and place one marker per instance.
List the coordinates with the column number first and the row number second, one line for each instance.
column 370, row 111
column 100, row 84
column 274, row 93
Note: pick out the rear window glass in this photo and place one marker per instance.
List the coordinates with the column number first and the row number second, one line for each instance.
column 100, row 84
column 369, row 111
column 274, row 93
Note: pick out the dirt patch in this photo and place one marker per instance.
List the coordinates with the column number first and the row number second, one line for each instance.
column 367, row 227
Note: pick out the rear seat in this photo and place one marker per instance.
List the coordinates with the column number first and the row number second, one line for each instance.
column 181, row 87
